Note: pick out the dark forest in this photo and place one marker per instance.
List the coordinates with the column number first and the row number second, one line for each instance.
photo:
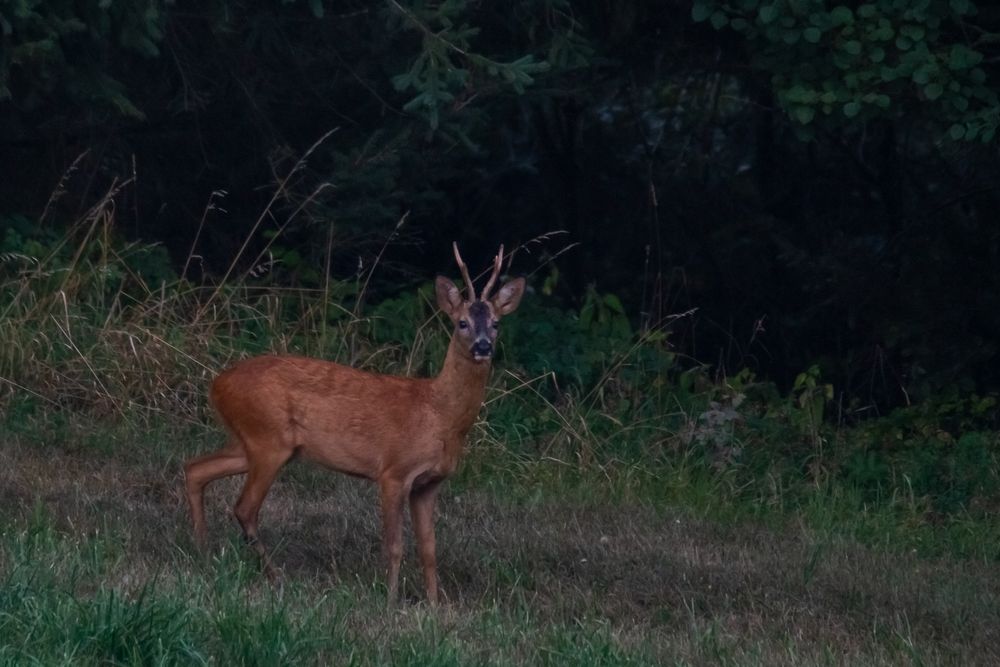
column 762, row 298
column 816, row 187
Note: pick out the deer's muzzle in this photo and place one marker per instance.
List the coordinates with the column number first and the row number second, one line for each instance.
column 482, row 349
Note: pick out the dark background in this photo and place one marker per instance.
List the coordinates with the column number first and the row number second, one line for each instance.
column 818, row 180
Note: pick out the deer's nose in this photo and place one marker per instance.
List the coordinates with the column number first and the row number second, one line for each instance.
column 482, row 348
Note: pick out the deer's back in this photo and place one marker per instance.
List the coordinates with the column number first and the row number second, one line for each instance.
column 349, row 419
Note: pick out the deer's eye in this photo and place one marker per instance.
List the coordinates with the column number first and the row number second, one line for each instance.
column 462, row 324
column 496, row 325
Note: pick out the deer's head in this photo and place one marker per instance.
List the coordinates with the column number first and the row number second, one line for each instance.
column 477, row 320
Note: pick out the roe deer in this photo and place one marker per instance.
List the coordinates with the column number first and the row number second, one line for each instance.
column 405, row 434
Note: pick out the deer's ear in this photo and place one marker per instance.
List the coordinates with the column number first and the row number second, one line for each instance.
column 448, row 296
column 509, row 296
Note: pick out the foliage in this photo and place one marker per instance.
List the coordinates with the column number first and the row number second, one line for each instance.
column 595, row 433
column 595, row 370
column 848, row 413
column 811, row 397
column 944, row 452
column 90, row 332
column 446, row 64
column 53, row 52
column 387, row 131
column 886, row 58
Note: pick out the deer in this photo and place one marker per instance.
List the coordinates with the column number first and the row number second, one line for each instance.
column 405, row 434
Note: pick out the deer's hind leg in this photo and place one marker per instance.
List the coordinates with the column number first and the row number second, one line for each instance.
column 201, row 470
column 263, row 468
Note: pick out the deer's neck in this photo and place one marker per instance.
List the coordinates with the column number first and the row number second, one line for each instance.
column 459, row 390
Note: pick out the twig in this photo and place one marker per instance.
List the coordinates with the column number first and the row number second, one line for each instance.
column 201, row 223
column 264, row 214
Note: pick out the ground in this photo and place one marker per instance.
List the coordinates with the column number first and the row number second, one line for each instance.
column 98, row 565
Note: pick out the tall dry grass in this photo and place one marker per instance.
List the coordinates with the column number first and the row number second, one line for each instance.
column 84, row 329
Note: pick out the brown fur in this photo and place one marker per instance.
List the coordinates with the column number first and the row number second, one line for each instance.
column 405, row 434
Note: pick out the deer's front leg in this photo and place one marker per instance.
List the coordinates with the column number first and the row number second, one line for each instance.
column 422, row 502
column 392, row 495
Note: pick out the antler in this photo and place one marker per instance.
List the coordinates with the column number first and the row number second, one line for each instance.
column 465, row 272
column 497, row 262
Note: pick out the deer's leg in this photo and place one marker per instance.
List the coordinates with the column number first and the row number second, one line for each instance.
column 199, row 471
column 263, row 469
column 422, row 502
column 392, row 496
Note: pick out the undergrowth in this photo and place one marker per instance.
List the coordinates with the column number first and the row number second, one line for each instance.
column 579, row 399
column 107, row 357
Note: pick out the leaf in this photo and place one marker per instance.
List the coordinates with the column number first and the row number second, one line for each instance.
column 852, row 109
column 959, row 6
column 402, row 81
column 853, row 47
column 796, row 93
column 842, row 15
column 933, row 90
column 960, row 57
column 421, row 100
column 768, row 13
column 800, row 381
column 700, row 11
column 719, row 20
column 957, row 131
column 614, row 303
column 317, row 8
column 812, row 34
column 803, row 114
column 914, row 32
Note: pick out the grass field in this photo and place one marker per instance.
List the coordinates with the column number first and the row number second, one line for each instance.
column 97, row 566
column 615, row 506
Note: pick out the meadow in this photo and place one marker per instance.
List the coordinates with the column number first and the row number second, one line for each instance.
column 617, row 504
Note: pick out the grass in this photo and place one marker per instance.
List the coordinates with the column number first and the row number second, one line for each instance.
column 97, row 566
column 644, row 515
